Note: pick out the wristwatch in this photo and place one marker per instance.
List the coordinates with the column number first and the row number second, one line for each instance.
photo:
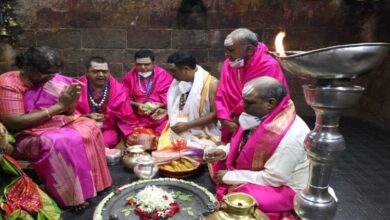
column 2, row 150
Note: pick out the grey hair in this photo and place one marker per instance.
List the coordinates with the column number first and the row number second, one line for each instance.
column 277, row 92
column 241, row 36
column 266, row 88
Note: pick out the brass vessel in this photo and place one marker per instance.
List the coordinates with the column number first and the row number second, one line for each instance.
column 237, row 206
column 131, row 154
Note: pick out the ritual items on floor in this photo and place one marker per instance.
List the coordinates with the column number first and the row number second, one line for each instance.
column 237, row 206
column 154, row 203
column 131, row 154
column 113, row 156
column 145, row 167
column 179, row 168
column 140, row 200
column 177, row 151
column 145, row 137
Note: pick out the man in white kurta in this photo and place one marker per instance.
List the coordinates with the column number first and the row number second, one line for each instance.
column 191, row 109
column 266, row 157
column 288, row 165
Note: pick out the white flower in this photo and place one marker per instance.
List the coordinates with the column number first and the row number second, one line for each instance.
column 154, row 198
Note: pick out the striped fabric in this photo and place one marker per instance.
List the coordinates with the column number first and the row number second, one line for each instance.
column 11, row 93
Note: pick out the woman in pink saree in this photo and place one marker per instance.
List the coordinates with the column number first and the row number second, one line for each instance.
column 67, row 151
column 105, row 100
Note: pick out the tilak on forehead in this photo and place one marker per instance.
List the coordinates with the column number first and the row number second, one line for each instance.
column 143, row 60
column 99, row 66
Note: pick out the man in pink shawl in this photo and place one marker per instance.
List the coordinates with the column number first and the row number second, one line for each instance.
column 105, row 100
column 67, row 151
column 148, row 85
column 266, row 157
column 247, row 58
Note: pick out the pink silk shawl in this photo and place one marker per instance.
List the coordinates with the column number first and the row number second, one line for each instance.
column 264, row 141
column 161, row 82
column 118, row 112
column 228, row 100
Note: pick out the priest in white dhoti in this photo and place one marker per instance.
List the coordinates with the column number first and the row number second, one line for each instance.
column 191, row 109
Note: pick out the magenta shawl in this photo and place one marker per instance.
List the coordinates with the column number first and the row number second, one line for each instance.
column 253, row 156
column 160, row 85
column 264, row 141
column 228, row 99
column 119, row 115
column 43, row 96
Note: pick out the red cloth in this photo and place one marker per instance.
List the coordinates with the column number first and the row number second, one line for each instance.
column 22, row 194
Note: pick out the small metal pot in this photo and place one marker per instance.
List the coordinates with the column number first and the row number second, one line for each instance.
column 132, row 154
column 145, row 168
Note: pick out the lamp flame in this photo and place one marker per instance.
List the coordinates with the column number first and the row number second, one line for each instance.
column 279, row 44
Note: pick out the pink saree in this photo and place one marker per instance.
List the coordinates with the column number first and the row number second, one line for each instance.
column 161, row 81
column 228, row 99
column 66, row 151
column 274, row 201
column 120, row 119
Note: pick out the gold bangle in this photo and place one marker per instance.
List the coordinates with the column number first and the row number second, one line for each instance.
column 48, row 113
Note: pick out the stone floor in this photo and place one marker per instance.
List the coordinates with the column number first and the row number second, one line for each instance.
column 360, row 178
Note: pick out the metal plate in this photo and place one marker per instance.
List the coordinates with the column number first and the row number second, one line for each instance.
column 202, row 201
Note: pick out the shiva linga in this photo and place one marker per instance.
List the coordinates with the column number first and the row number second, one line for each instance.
column 331, row 70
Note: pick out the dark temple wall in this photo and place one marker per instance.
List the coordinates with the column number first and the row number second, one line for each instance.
column 117, row 28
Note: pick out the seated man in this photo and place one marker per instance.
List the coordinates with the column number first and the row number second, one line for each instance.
column 104, row 100
column 148, row 85
column 20, row 197
column 266, row 157
column 66, row 151
column 191, row 108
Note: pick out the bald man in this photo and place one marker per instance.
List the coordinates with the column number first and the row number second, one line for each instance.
column 266, row 157
column 246, row 59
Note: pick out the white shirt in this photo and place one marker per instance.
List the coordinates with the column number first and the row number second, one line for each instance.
column 288, row 165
